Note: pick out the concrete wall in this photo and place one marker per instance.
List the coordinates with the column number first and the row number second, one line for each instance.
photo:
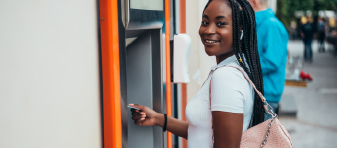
column 49, row 74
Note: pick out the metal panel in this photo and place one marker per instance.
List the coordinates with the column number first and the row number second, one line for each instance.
column 157, row 83
column 144, row 86
column 139, row 88
column 122, row 63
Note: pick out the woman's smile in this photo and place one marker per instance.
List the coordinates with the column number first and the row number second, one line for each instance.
column 211, row 42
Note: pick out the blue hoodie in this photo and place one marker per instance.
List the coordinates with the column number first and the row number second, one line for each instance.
column 272, row 40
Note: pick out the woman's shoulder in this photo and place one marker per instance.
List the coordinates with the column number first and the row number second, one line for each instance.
column 229, row 72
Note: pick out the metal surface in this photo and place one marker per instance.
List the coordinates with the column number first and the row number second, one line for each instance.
column 144, row 86
column 122, row 65
column 144, row 19
column 147, row 4
column 133, row 33
column 142, row 82
column 139, row 88
column 157, row 84
column 136, row 19
column 125, row 7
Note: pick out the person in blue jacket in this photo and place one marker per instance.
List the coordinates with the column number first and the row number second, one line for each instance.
column 272, row 40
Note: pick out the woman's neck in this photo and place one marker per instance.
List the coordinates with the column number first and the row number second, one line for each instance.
column 223, row 57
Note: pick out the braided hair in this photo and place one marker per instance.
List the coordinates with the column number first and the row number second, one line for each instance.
column 246, row 50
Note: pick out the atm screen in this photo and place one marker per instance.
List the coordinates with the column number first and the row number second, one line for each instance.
column 147, row 4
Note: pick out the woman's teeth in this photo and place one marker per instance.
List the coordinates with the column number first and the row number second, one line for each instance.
column 209, row 41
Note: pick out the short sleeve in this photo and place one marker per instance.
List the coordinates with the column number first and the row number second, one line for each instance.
column 226, row 95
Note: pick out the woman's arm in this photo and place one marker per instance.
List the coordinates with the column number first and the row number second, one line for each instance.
column 227, row 106
column 175, row 126
column 148, row 117
column 227, row 129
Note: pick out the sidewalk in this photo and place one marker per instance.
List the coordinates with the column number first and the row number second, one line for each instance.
column 316, row 123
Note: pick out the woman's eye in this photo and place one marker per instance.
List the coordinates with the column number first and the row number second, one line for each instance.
column 204, row 23
column 221, row 23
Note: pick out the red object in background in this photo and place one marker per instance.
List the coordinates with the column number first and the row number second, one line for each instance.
column 302, row 75
column 309, row 76
column 305, row 76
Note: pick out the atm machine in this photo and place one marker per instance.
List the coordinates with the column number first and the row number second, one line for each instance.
column 141, row 25
column 136, row 69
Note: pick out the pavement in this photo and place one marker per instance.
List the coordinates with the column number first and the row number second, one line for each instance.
column 315, row 123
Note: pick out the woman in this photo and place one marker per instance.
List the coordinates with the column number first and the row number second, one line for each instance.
column 226, row 105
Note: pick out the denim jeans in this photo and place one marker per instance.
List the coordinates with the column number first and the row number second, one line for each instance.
column 307, row 49
column 275, row 110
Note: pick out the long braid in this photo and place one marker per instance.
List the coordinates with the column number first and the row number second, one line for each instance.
column 255, row 61
column 236, row 15
column 235, row 28
column 243, row 16
column 246, row 38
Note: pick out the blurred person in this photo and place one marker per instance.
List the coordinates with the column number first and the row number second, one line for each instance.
column 226, row 104
column 321, row 34
column 272, row 40
column 307, row 33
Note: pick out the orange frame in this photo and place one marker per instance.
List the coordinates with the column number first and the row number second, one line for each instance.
column 183, row 85
column 111, row 74
column 168, row 69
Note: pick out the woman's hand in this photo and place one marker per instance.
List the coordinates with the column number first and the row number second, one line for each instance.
column 144, row 116
column 147, row 117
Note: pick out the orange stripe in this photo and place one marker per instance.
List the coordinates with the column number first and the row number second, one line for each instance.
column 168, row 69
column 110, row 73
column 182, row 16
column 183, row 110
column 183, row 86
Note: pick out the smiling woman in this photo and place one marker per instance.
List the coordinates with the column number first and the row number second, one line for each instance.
column 216, row 30
column 228, row 32
column 226, row 104
column 228, row 28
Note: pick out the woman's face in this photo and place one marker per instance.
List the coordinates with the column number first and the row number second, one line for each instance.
column 216, row 30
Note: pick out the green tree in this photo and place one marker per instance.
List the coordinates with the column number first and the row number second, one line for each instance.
column 286, row 8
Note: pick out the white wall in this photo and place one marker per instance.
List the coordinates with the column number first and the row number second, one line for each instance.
column 49, row 74
column 198, row 57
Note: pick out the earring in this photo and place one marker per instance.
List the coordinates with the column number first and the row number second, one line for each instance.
column 241, row 35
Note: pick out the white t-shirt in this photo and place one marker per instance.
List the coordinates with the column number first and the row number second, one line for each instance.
column 231, row 92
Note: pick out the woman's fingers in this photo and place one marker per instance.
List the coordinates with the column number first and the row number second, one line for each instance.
column 134, row 110
column 139, row 121
column 136, row 116
column 140, row 107
column 139, row 114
